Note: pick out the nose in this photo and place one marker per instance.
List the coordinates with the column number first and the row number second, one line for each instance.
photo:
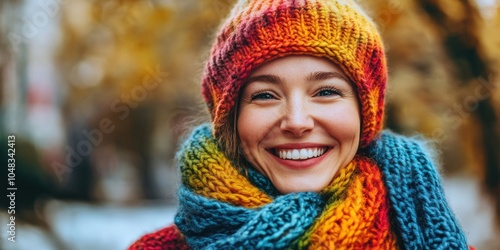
column 297, row 119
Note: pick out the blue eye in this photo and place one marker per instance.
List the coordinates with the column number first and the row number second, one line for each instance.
column 328, row 92
column 262, row 96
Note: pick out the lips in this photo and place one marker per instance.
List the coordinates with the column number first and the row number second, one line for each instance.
column 300, row 156
column 300, row 153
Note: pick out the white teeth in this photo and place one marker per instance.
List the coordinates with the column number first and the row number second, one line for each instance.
column 302, row 154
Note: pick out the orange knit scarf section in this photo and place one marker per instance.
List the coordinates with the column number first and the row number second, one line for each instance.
column 357, row 213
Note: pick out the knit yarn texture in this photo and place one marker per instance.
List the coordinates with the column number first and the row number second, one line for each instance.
column 389, row 197
column 258, row 31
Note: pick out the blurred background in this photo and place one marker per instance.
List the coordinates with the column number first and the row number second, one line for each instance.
column 99, row 94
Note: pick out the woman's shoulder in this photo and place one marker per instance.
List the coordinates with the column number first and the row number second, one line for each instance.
column 409, row 165
column 397, row 152
column 389, row 140
column 164, row 239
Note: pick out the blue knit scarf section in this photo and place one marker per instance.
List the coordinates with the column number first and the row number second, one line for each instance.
column 420, row 215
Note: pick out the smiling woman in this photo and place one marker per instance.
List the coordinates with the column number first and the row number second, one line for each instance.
column 295, row 156
column 298, row 121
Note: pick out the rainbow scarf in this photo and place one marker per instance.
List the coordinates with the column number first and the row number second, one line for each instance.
column 388, row 197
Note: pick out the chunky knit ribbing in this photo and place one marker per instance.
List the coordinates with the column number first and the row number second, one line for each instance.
column 392, row 184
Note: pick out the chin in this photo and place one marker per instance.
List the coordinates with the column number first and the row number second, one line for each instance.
column 286, row 189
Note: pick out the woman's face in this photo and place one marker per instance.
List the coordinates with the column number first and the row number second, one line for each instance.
column 298, row 122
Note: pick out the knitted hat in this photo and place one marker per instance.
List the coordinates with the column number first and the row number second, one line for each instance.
column 262, row 30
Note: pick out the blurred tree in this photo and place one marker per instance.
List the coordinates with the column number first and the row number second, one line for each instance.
column 460, row 25
column 136, row 63
column 443, row 66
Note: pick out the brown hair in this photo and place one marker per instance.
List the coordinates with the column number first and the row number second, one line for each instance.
column 229, row 141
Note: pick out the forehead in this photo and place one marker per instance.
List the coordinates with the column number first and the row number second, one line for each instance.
column 297, row 64
column 304, row 68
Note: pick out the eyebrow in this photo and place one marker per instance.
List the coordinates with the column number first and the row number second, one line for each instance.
column 314, row 76
column 265, row 78
column 321, row 75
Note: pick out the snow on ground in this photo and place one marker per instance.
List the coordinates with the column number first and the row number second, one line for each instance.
column 474, row 211
column 80, row 226
column 84, row 226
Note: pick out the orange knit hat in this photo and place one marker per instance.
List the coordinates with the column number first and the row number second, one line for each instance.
column 259, row 31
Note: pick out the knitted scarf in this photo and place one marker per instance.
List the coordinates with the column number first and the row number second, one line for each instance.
column 389, row 197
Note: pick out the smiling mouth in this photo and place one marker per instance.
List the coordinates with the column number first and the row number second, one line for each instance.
column 300, row 154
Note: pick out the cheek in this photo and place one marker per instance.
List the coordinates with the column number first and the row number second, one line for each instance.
column 244, row 126
column 250, row 126
column 344, row 121
column 255, row 126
